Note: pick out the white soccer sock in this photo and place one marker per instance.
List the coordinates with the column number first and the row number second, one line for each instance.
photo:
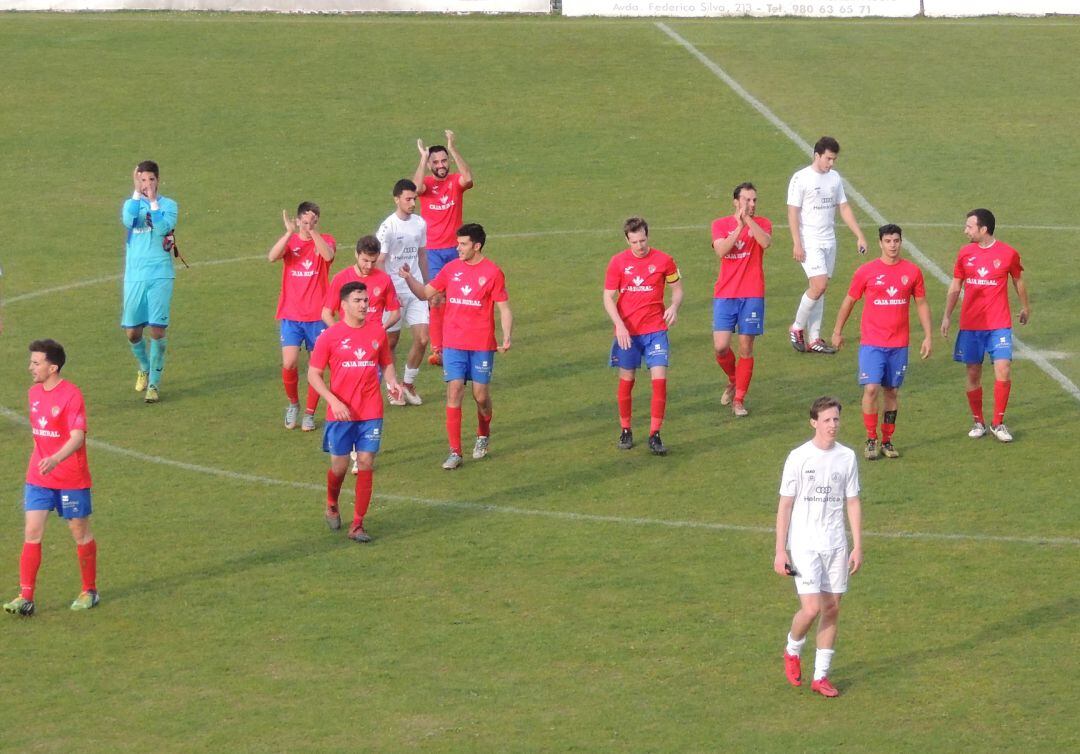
column 795, row 647
column 802, row 314
column 410, row 375
column 816, row 316
column 822, row 661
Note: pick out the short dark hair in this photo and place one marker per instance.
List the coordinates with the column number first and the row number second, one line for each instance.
column 827, row 144
column 54, row 352
column 474, row 231
column 635, row 225
column 351, row 287
column 739, row 189
column 306, row 207
column 889, row 229
column 436, row 148
column 403, row 185
column 368, row 245
column 823, row 403
column 985, row 218
column 148, row 166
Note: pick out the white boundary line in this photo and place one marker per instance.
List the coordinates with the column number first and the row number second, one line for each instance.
column 1024, row 350
column 560, row 515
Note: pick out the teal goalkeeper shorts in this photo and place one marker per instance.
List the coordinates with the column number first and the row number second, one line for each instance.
column 147, row 303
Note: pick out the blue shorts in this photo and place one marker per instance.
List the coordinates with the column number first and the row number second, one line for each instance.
column 437, row 259
column 147, row 303
column 652, row 346
column 68, row 504
column 882, row 366
column 470, row 366
column 295, row 333
column 340, row 438
column 746, row 314
column 972, row 345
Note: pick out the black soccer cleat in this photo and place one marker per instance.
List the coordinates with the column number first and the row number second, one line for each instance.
column 656, row 445
column 626, row 440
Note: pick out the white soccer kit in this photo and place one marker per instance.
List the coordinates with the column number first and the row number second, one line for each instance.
column 401, row 243
column 818, row 196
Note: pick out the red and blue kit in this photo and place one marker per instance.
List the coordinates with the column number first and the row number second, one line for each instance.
column 54, row 414
column 640, row 283
column 382, row 296
column 440, row 206
column 472, row 290
column 303, row 280
column 355, row 355
column 985, row 275
column 742, row 274
column 888, row 290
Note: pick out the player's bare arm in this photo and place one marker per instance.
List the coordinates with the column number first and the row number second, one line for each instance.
column 392, row 385
column 75, row 441
column 783, row 523
column 922, row 307
column 951, row 297
column 622, row 334
column 723, row 246
column 1025, row 303
column 846, row 308
column 392, row 318
column 277, row 251
column 423, row 291
column 421, row 169
column 506, row 322
column 325, row 250
column 848, row 216
column 327, row 316
column 854, row 514
column 798, row 253
column 764, row 239
column 340, row 411
column 421, row 260
column 466, row 179
column 671, row 314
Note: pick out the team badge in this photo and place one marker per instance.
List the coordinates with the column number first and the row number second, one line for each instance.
column 375, row 345
column 652, row 269
column 376, row 291
column 835, row 477
column 997, row 263
column 483, row 280
column 55, row 411
column 904, row 279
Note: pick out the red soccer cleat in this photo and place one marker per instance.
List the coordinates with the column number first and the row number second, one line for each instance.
column 793, row 669
column 824, row 688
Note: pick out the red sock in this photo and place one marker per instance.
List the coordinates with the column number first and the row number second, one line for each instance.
column 659, row 404
column 626, row 402
column 870, row 422
column 88, row 565
column 453, row 428
column 312, row 400
column 483, row 426
column 1001, row 399
column 743, row 372
column 363, row 496
column 435, row 319
column 333, row 488
column 28, row 568
column 291, row 378
column 975, row 401
column 726, row 360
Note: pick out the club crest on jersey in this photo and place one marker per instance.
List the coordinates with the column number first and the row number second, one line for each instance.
column 904, row 279
column 55, row 411
column 652, row 268
column 835, row 477
column 482, row 280
column 376, row 291
column 997, row 263
column 374, row 345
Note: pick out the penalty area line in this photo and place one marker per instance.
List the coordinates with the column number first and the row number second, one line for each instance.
column 538, row 513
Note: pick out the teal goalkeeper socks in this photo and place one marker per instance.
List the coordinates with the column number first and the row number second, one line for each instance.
column 157, row 359
column 139, row 351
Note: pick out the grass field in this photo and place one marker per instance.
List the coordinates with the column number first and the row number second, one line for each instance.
column 560, row 595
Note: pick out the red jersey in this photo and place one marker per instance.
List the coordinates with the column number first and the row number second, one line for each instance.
column 985, row 275
column 440, row 206
column 640, row 283
column 472, row 291
column 889, row 289
column 382, row 297
column 54, row 414
column 742, row 274
column 303, row 280
column 354, row 355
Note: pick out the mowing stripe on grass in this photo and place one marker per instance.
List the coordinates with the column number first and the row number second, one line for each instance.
column 561, row 515
column 1024, row 350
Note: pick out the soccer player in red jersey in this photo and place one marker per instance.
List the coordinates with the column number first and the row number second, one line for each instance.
column 982, row 271
column 58, row 477
column 634, row 300
column 354, row 349
column 739, row 240
column 306, row 255
column 441, row 195
column 889, row 284
column 383, row 303
column 473, row 286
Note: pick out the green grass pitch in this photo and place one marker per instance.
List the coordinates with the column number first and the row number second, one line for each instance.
column 562, row 595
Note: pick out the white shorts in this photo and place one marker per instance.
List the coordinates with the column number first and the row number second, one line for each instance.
column 820, row 258
column 825, row 571
column 413, row 312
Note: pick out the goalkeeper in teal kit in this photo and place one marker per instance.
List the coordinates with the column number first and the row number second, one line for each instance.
column 148, row 275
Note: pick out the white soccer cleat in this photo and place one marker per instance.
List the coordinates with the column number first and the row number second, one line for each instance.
column 308, row 423
column 408, row 392
column 292, row 413
column 978, row 429
column 1001, row 432
column 452, row 461
column 480, row 449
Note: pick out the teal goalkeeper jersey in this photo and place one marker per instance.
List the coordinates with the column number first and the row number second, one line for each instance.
column 146, row 258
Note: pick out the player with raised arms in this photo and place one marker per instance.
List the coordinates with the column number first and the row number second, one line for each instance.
column 474, row 287
column 58, row 476
column 982, row 272
column 633, row 298
column 306, row 255
column 354, row 349
column 889, row 284
column 820, row 479
column 739, row 240
column 149, row 220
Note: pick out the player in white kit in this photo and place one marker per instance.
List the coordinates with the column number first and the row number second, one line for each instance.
column 814, row 195
column 820, row 478
column 403, row 236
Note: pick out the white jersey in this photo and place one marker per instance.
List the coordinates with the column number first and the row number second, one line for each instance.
column 401, row 242
column 821, row 481
column 817, row 195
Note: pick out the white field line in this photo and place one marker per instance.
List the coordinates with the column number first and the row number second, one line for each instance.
column 560, row 515
column 927, row 263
